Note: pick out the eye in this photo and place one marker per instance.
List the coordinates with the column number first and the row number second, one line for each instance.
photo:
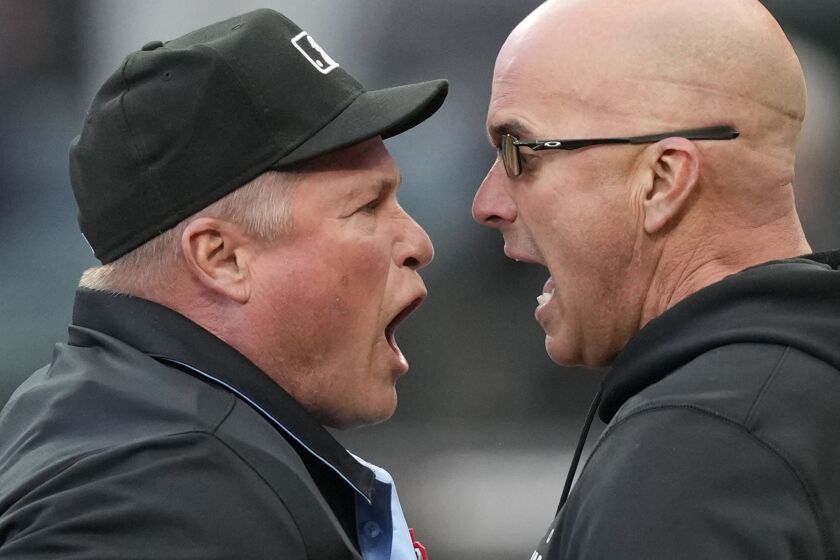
column 371, row 206
column 529, row 160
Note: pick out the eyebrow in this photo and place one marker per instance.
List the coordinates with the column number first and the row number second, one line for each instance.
column 388, row 184
column 378, row 188
column 513, row 127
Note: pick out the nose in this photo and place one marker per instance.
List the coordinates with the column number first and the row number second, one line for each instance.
column 417, row 250
column 492, row 205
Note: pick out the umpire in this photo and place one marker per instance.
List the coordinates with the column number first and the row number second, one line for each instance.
column 255, row 265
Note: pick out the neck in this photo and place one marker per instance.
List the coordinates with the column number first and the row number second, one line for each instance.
column 688, row 265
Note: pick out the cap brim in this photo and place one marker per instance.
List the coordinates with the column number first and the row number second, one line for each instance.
column 384, row 112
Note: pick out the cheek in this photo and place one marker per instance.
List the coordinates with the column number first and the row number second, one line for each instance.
column 362, row 269
column 334, row 290
column 580, row 223
column 588, row 243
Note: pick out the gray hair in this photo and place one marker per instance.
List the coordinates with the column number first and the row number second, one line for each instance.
column 261, row 207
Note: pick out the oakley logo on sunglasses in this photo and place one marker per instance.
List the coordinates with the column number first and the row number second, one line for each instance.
column 313, row 52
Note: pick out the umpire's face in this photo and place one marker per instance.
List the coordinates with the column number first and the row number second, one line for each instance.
column 328, row 297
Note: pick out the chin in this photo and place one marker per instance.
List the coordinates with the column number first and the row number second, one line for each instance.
column 561, row 353
column 366, row 414
column 572, row 356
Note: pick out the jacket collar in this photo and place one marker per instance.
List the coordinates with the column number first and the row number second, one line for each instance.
column 171, row 338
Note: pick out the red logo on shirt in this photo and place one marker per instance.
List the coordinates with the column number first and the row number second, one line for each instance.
column 419, row 549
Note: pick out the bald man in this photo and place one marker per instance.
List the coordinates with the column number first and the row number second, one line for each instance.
column 646, row 159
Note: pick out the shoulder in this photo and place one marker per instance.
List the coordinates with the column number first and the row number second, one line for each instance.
column 735, row 446
column 741, row 382
column 153, row 454
column 680, row 482
column 177, row 492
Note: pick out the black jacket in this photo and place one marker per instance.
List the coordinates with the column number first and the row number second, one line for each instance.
column 722, row 440
column 148, row 437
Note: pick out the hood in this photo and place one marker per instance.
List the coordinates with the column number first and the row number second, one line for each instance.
column 794, row 302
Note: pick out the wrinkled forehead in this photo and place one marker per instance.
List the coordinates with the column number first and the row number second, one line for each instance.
column 346, row 174
column 539, row 91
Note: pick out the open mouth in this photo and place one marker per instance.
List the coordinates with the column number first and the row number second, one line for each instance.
column 548, row 292
column 391, row 329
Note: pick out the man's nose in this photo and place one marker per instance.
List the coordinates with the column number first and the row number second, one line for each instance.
column 418, row 250
column 493, row 205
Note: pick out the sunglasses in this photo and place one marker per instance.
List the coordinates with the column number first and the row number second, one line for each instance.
column 509, row 145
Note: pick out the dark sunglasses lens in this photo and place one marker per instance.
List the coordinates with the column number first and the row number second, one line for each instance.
column 510, row 156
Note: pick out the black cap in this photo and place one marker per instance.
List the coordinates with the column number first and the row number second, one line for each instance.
column 181, row 124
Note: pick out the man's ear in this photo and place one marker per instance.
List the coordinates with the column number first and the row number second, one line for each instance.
column 217, row 255
column 675, row 172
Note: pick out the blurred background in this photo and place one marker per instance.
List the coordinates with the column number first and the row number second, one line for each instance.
column 482, row 438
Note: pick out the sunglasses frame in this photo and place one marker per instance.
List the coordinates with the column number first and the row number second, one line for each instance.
column 509, row 145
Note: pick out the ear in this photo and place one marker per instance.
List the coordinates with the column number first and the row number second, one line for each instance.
column 675, row 172
column 217, row 255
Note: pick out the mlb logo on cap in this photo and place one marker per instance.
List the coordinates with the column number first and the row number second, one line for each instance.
column 314, row 53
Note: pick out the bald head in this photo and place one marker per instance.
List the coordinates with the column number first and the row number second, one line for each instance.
column 628, row 231
column 611, row 66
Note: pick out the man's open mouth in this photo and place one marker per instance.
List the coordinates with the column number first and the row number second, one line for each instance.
column 390, row 330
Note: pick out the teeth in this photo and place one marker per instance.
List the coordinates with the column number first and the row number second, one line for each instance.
column 542, row 299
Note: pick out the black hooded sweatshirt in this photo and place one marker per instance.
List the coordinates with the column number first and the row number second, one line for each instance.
column 721, row 440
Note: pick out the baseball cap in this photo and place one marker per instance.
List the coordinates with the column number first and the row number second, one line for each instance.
column 181, row 124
